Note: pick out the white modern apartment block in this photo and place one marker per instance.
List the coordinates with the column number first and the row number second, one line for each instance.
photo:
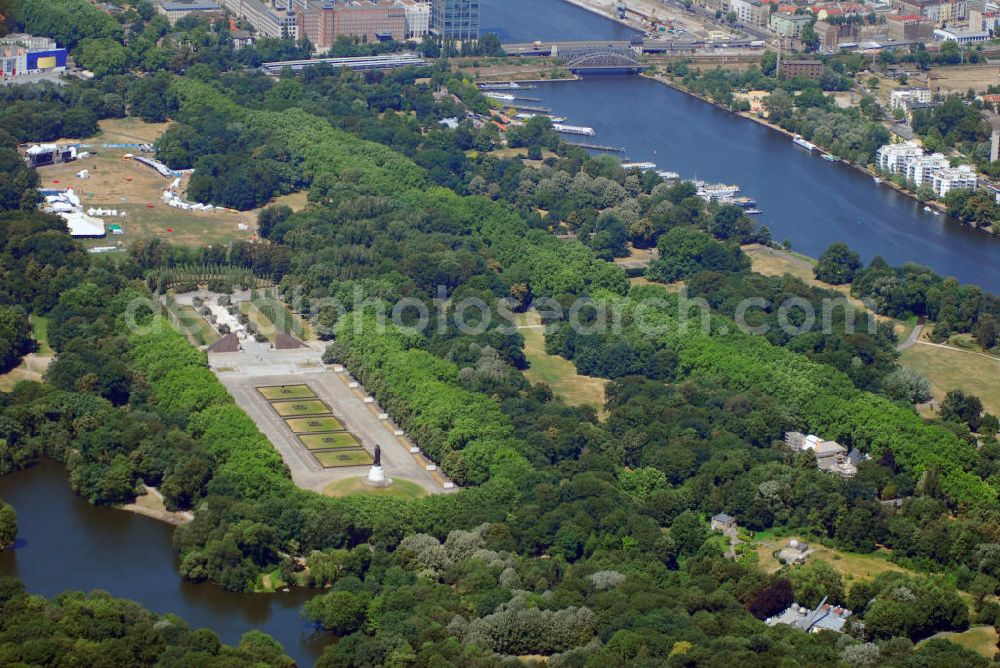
column 418, row 18
column 899, row 98
column 919, row 170
column 953, row 178
column 751, row 12
column 892, row 157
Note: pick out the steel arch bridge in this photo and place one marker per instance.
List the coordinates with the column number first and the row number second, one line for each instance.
column 600, row 58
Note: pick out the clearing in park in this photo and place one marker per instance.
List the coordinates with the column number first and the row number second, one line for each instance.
column 301, row 407
column 332, row 458
column 314, row 424
column 274, row 392
column 332, row 441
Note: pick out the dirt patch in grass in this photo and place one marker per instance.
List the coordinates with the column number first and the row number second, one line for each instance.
column 556, row 372
column 401, row 488
column 314, row 425
column 334, row 458
column 300, row 407
column 32, row 368
column 273, row 392
column 336, row 441
column 947, row 369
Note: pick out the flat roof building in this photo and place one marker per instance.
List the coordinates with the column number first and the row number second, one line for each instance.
column 175, row 10
column 962, row 177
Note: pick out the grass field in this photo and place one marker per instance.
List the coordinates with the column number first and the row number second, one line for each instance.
column 556, row 372
column 259, row 320
column 314, row 425
column 980, row 639
column 300, row 407
column 334, row 441
column 334, row 458
column 273, row 392
column 851, row 567
column 401, row 488
column 40, row 333
column 194, row 325
column 947, row 369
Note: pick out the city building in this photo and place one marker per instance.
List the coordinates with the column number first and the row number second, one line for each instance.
column 961, row 36
column 811, row 69
column 323, row 21
column 241, row 38
column 750, row 12
column 944, row 181
column 983, row 19
column 273, row 18
column 936, row 11
column 455, row 19
column 892, row 158
column 30, row 54
column 788, row 25
column 824, row 617
column 175, row 10
column 908, row 28
column 418, row 18
column 899, row 97
column 832, row 35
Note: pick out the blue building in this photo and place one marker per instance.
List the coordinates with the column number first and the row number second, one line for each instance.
column 28, row 54
column 455, row 19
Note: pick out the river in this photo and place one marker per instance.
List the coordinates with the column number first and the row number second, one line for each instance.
column 806, row 200
column 64, row 543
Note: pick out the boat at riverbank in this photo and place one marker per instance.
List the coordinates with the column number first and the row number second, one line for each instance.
column 506, row 85
column 524, row 116
column 644, row 166
column 799, row 141
column 573, row 129
column 830, row 157
column 507, row 97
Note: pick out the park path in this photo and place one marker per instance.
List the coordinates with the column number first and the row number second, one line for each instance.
column 914, row 336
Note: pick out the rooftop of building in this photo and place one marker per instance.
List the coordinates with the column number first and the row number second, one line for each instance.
column 189, row 5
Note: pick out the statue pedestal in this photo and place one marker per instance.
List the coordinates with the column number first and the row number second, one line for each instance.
column 377, row 477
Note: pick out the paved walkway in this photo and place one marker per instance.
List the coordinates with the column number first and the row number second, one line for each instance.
column 914, row 336
column 242, row 373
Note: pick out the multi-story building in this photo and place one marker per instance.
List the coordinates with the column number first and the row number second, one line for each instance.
column 983, row 19
column 936, row 11
column 269, row 19
column 788, row 25
column 30, row 54
column 175, row 10
column 892, row 158
column 919, row 170
column 418, row 18
column 750, row 12
column 455, row 19
column 945, row 180
column 811, row 69
column 899, row 97
column 908, row 28
column 323, row 21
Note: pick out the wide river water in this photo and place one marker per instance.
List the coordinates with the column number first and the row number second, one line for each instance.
column 65, row 543
column 806, row 200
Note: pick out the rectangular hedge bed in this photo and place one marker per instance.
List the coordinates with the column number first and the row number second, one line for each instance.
column 332, row 441
column 309, row 425
column 300, row 407
column 334, row 458
column 276, row 392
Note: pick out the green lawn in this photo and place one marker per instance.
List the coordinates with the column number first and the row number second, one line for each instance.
column 335, row 441
column 194, row 325
column 40, row 333
column 259, row 320
column 273, row 392
column 314, row 425
column 981, row 639
column 948, row 369
column 401, row 488
column 334, row 458
column 557, row 372
column 300, row 407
